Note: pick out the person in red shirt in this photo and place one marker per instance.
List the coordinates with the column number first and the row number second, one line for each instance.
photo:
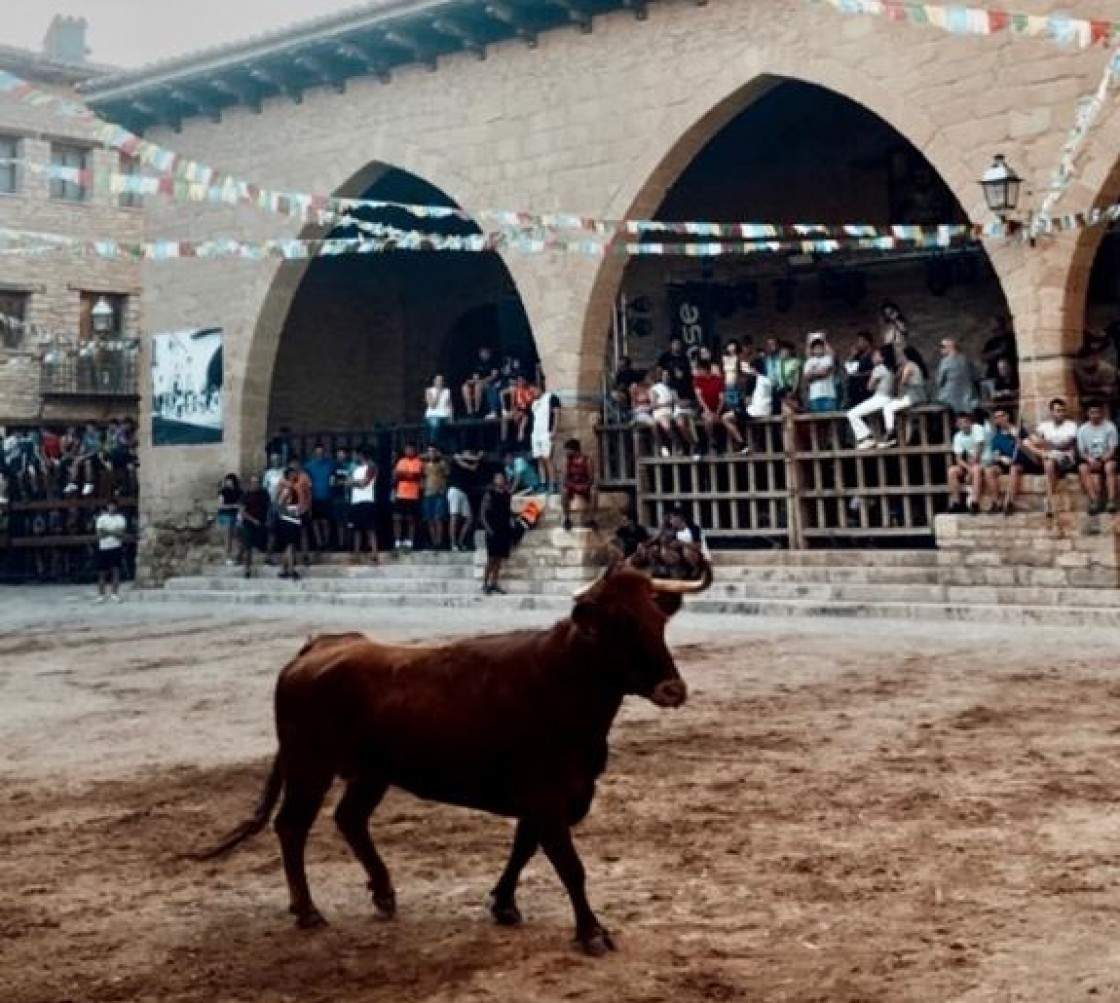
column 579, row 482
column 709, row 392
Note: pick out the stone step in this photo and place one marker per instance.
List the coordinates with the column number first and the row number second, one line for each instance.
column 858, row 593
column 970, row 612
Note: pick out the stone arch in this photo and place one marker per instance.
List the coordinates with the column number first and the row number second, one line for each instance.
column 715, row 104
column 280, row 287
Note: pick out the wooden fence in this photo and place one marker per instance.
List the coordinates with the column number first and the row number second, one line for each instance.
column 55, row 539
column 802, row 484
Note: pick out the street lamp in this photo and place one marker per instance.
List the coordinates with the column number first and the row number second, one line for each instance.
column 102, row 316
column 1001, row 187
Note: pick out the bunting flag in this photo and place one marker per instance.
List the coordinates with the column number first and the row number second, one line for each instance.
column 1071, row 32
column 1088, row 111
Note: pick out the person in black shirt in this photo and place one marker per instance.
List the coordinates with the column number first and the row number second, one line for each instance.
column 1001, row 345
column 859, row 366
column 495, row 517
column 625, row 377
column 676, row 358
column 229, row 502
column 253, row 519
column 481, row 387
column 627, row 540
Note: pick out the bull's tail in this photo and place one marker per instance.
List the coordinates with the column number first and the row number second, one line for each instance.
column 255, row 823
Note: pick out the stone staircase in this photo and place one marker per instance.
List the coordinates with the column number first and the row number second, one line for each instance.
column 1028, row 568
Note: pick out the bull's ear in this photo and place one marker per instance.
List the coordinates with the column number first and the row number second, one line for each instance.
column 585, row 615
column 670, row 602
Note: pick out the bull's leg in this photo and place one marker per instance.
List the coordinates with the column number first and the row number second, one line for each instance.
column 303, row 797
column 352, row 818
column 503, row 905
column 556, row 840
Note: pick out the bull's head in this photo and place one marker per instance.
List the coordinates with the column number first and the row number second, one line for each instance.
column 626, row 613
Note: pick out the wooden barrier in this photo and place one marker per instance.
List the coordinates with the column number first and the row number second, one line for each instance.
column 802, row 484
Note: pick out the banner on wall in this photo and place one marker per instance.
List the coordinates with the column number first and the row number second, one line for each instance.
column 187, row 379
column 691, row 316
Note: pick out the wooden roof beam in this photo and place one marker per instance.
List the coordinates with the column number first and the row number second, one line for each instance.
column 363, row 57
column 511, row 18
column 195, row 102
column 468, row 39
column 277, row 82
column 249, row 97
column 577, row 14
column 420, row 52
column 323, row 73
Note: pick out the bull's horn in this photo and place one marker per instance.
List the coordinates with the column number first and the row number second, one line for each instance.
column 585, row 591
column 683, row 588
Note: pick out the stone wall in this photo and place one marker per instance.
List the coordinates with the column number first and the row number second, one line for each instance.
column 603, row 124
column 55, row 282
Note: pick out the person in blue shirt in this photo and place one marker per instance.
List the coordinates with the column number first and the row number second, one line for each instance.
column 1003, row 455
column 320, row 469
column 521, row 475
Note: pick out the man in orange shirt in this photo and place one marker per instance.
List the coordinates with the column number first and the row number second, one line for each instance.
column 408, row 476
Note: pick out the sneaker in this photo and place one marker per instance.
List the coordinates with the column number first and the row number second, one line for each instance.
column 294, row 576
column 487, row 589
column 492, row 416
column 568, row 525
column 87, row 490
column 1009, row 508
column 1110, row 508
column 497, row 590
column 97, row 600
column 116, row 598
column 973, row 508
column 695, row 457
column 285, row 573
column 744, row 451
column 70, row 489
column 1095, row 508
column 398, row 544
column 1048, row 509
column 665, row 454
column 868, row 443
column 955, row 508
column 888, row 443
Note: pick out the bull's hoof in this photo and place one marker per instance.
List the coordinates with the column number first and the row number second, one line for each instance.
column 505, row 913
column 597, row 943
column 386, row 905
column 311, row 920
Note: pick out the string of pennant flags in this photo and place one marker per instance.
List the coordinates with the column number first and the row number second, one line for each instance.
column 185, row 179
column 1063, row 29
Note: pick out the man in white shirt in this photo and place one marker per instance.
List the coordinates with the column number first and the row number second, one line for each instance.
column 1053, row 446
column 1097, row 442
column 543, row 412
column 110, row 528
column 967, row 467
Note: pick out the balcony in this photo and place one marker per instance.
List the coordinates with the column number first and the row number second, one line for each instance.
column 100, row 370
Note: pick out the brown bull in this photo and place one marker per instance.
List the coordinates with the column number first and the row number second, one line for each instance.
column 515, row 724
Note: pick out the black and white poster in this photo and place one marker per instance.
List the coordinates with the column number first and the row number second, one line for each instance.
column 692, row 319
column 187, row 387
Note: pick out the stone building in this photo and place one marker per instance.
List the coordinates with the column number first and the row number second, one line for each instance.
column 53, row 365
column 731, row 110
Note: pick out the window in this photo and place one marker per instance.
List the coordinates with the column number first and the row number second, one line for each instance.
column 116, row 301
column 13, row 313
column 77, row 157
column 9, row 165
column 130, row 167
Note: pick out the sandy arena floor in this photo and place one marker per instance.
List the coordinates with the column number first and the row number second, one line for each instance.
column 843, row 812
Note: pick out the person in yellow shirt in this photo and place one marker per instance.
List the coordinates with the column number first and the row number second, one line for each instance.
column 408, row 477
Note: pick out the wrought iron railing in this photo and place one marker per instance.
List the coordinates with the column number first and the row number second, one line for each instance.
column 110, row 370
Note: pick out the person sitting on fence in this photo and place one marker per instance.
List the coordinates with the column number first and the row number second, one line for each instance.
column 819, row 374
column 253, row 523
column 1053, row 448
column 438, row 411
column 480, row 390
column 733, row 411
column 881, row 385
column 578, row 482
column 966, row 468
column 626, row 377
column 787, row 376
column 685, row 407
column 641, row 403
column 1097, row 443
column 662, row 403
column 517, row 401
column 1002, row 455
column 859, row 366
column 912, row 377
column 709, row 393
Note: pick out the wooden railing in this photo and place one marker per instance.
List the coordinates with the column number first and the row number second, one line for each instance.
column 802, row 484
column 54, row 539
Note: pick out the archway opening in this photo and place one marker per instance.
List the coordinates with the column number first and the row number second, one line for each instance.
column 1096, row 357
column 365, row 333
column 800, row 153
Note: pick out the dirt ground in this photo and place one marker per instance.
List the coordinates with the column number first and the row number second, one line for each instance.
column 842, row 812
